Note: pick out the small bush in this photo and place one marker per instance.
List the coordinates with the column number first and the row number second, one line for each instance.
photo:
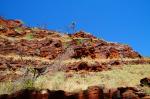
column 28, row 84
column 29, row 36
column 18, row 30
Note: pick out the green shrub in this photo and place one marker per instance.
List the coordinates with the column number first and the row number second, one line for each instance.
column 28, row 84
column 18, row 30
column 29, row 36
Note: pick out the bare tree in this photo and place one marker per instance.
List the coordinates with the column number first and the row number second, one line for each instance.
column 55, row 66
column 72, row 26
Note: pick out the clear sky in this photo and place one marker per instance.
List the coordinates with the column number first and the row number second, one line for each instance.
column 124, row 21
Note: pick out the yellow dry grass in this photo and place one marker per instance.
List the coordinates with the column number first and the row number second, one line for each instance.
column 91, row 61
column 129, row 75
column 18, row 57
column 25, row 37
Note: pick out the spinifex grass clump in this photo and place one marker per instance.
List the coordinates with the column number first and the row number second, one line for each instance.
column 8, row 87
column 19, row 30
column 29, row 36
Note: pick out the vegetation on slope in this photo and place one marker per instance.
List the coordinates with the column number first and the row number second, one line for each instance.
column 128, row 76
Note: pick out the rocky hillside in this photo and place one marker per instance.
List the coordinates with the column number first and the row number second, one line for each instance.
column 21, row 40
column 22, row 46
column 31, row 54
column 93, row 92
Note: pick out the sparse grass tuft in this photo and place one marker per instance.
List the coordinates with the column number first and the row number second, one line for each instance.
column 52, row 82
column 19, row 30
column 28, row 84
column 29, row 36
column 146, row 90
column 9, row 87
column 6, row 87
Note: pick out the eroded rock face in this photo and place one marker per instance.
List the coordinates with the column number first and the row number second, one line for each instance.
column 47, row 48
column 84, row 44
column 93, row 92
column 15, row 28
column 82, row 34
column 85, row 66
column 96, row 48
column 101, row 66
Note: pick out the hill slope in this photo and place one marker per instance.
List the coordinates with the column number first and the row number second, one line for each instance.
column 40, row 58
column 22, row 46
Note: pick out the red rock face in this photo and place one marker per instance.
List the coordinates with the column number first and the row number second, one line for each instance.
column 82, row 34
column 85, row 45
column 93, row 92
column 15, row 28
column 10, row 23
column 96, row 67
column 129, row 95
column 84, row 66
column 101, row 49
column 45, row 48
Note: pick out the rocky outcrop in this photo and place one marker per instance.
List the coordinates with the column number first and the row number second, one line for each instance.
column 82, row 34
column 93, row 92
column 47, row 48
column 15, row 28
column 84, row 44
column 101, row 49
column 17, row 39
column 101, row 66
column 145, row 81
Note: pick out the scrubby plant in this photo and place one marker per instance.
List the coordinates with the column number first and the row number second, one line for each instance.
column 80, row 41
column 66, row 44
column 29, row 36
column 18, row 30
column 8, row 87
column 32, row 72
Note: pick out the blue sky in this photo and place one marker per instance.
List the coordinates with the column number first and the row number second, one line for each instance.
column 124, row 21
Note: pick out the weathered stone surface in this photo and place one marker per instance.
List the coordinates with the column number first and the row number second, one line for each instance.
column 81, row 34
column 84, row 44
column 145, row 82
column 93, row 92
column 129, row 94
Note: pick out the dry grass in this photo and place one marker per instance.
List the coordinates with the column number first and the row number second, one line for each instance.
column 92, row 61
column 27, row 37
column 33, row 58
column 129, row 75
